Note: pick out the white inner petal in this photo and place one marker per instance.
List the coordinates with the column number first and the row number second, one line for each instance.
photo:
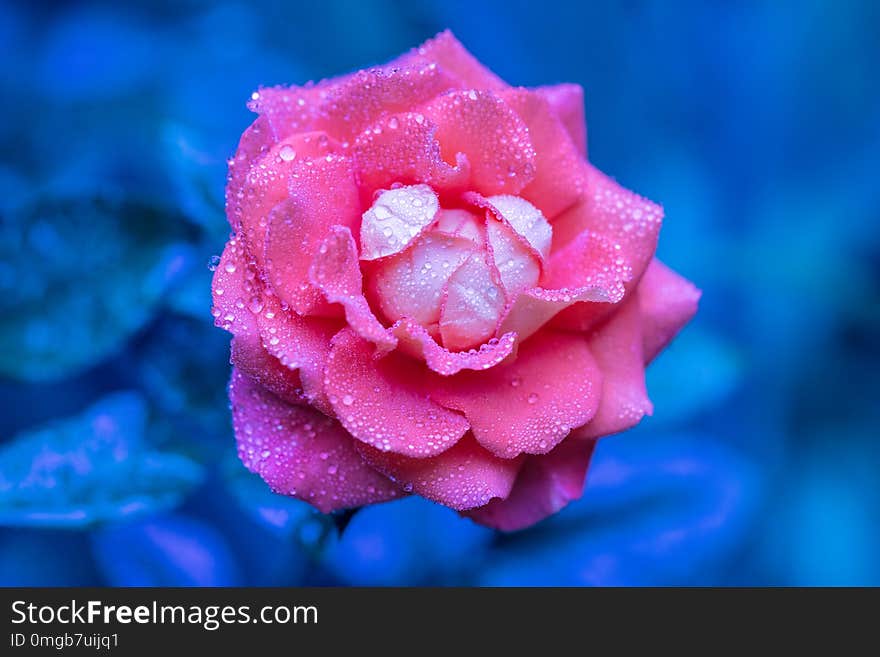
column 395, row 219
column 526, row 220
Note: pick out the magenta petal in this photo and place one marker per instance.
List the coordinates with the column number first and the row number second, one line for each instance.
column 298, row 343
column 567, row 103
column 531, row 403
column 382, row 402
column 617, row 347
column 589, row 271
column 545, row 485
column 415, row 340
column 336, row 272
column 251, row 358
column 465, row 476
column 446, row 52
column 622, row 216
column 404, row 149
column 235, row 291
column 319, row 194
column 559, row 179
column 668, row 301
column 493, row 138
column 300, row 452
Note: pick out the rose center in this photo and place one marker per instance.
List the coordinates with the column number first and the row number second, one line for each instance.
column 454, row 270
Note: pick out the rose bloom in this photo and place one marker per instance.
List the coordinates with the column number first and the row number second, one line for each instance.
column 433, row 292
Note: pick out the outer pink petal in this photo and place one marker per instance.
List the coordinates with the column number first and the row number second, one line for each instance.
column 251, row 358
column 545, row 485
column 382, row 402
column 493, row 138
column 567, row 102
column 617, row 347
column 235, row 291
column 299, row 343
column 559, row 179
column 465, row 476
column 300, row 452
column 589, row 271
column 529, row 404
column 668, row 301
column 365, row 97
column 446, row 51
column 416, row 341
column 267, row 183
column 336, row 272
column 255, row 141
column 622, row 216
column 322, row 194
column 404, row 149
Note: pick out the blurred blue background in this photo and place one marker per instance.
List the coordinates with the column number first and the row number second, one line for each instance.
column 756, row 125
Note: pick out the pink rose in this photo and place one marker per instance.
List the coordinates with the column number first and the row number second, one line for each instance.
column 432, row 291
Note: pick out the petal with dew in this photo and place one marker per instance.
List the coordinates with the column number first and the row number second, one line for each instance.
column 617, row 348
column 668, row 301
column 567, row 102
column 382, row 402
column 545, row 485
column 491, row 136
column 465, row 476
column 473, row 304
column 300, row 452
column 529, row 404
column 397, row 217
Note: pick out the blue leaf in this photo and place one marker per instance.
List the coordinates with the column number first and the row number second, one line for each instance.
column 407, row 542
column 165, row 551
column 89, row 469
column 654, row 512
column 87, row 275
column 282, row 515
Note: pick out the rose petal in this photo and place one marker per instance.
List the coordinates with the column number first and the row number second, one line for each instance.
column 617, row 348
column 668, row 301
column 322, row 194
column 474, row 302
column 404, row 149
column 336, row 272
column 526, row 220
column 529, row 404
column 567, row 102
column 255, row 141
column 495, row 141
column 381, row 402
column 545, row 485
column 251, row 358
column 460, row 223
column 559, row 177
column 416, row 341
column 299, row 343
column 396, row 218
column 365, row 97
column 622, row 216
column 589, row 271
column 447, row 52
column 235, row 291
column 288, row 109
column 411, row 283
column 515, row 263
column 465, row 476
column 300, row 452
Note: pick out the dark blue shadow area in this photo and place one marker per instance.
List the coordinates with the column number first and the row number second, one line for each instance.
column 756, row 125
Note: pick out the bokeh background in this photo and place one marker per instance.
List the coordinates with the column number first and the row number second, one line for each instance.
column 756, row 124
